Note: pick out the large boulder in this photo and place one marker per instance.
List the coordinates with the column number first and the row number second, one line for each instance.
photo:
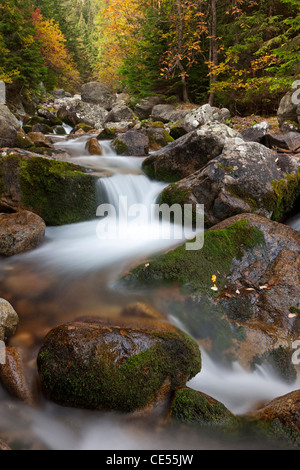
column 9, row 125
column 98, row 93
column 168, row 113
column 143, row 108
column 96, row 363
column 133, row 143
column 76, row 111
column 59, row 192
column 284, row 410
column 246, row 177
column 20, row 232
column 189, row 153
column 120, row 112
column 237, row 294
column 289, row 107
column 9, row 320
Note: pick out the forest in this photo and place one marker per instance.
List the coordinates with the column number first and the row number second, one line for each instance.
column 234, row 53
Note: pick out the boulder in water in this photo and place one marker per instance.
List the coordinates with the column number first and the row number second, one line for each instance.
column 133, row 143
column 189, row 153
column 245, row 177
column 236, row 294
column 100, row 364
column 59, row 192
column 19, row 232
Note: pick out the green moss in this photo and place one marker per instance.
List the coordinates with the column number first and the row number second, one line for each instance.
column 98, row 383
column 238, row 192
column 23, row 142
column 120, row 147
column 282, row 199
column 158, row 125
column 160, row 172
column 295, row 310
column 191, row 406
column 60, row 192
column 194, row 269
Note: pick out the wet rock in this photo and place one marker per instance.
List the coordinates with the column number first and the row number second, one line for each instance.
column 246, row 177
column 99, row 364
column 9, row 320
column 158, row 138
column 191, row 406
column 13, row 376
column 246, row 314
column 133, row 143
column 19, row 232
column 140, row 309
column 39, row 139
column 93, row 147
column 58, row 191
column 98, row 93
column 189, row 153
column 285, row 410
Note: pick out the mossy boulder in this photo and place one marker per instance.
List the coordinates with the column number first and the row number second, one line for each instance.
column 245, row 313
column 189, row 153
column 245, row 177
column 192, row 406
column 131, row 143
column 98, row 364
column 59, row 192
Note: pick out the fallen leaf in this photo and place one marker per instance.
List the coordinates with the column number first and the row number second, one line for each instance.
column 237, row 291
column 146, row 265
column 250, row 288
column 264, row 287
column 228, row 295
column 292, row 315
column 214, row 278
column 214, row 288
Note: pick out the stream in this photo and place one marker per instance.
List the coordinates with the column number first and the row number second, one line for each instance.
column 73, row 273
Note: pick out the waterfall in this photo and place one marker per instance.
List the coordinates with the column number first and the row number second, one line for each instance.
column 79, row 249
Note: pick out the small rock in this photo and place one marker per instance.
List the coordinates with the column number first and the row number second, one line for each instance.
column 39, row 139
column 19, row 232
column 12, row 376
column 9, row 320
column 94, row 147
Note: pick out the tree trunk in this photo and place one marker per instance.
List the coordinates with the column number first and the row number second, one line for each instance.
column 213, row 50
column 180, row 39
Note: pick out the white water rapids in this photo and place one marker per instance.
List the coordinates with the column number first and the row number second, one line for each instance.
column 77, row 250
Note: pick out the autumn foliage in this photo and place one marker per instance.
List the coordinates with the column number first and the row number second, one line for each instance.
column 54, row 51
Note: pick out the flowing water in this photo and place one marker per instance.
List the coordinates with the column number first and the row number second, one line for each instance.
column 73, row 273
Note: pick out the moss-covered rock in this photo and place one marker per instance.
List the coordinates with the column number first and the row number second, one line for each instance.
column 59, row 192
column 191, row 406
column 98, row 364
column 245, row 177
column 246, row 314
